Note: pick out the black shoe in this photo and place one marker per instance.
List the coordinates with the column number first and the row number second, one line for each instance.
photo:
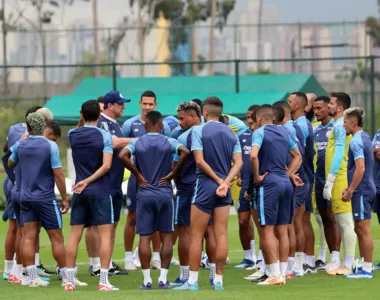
column 42, row 268
column 94, row 273
column 116, row 270
column 309, row 270
column 262, row 278
column 320, row 265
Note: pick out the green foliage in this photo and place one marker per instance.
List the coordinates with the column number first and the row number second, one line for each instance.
column 259, row 71
column 373, row 28
column 359, row 71
column 88, row 58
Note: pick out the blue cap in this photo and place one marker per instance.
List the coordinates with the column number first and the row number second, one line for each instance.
column 114, row 97
column 172, row 122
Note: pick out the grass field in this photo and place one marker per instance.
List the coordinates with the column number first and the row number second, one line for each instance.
column 318, row 286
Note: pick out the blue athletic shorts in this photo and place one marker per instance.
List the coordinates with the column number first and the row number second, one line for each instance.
column 45, row 212
column 301, row 195
column 362, row 206
column 131, row 193
column 117, row 203
column 205, row 197
column 7, row 188
column 376, row 204
column 16, row 205
column 154, row 214
column 243, row 205
column 91, row 210
column 183, row 209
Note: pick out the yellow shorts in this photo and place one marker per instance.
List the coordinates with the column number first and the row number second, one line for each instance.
column 338, row 205
column 235, row 190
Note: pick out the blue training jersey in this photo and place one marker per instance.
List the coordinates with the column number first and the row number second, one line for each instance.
column 245, row 139
column 36, row 157
column 153, row 158
column 274, row 142
column 94, row 140
column 376, row 168
column 134, row 127
column 361, row 147
column 321, row 135
column 218, row 143
column 117, row 168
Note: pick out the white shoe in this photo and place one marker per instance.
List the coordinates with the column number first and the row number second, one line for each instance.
column 273, row 281
column 255, row 275
column 156, row 265
column 174, row 261
column 106, row 287
column 80, row 283
column 332, row 265
column 136, row 262
column 38, row 282
column 129, row 266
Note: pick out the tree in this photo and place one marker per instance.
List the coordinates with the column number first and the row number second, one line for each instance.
column 373, row 28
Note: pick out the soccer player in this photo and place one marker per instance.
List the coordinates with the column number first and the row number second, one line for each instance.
column 304, row 231
column 214, row 146
column 246, row 231
column 270, row 145
column 361, row 189
column 92, row 201
column 37, row 194
column 321, row 134
column 134, row 128
column 153, row 159
column 336, row 182
column 114, row 105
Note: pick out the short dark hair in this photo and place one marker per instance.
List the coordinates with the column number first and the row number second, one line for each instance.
column 302, row 96
column 343, row 99
column 266, row 110
column 253, row 107
column 357, row 113
column 190, row 106
column 283, row 104
column 325, row 99
column 54, row 128
column 154, row 117
column 213, row 101
column 32, row 110
column 199, row 102
column 100, row 99
column 148, row 94
column 279, row 113
column 90, row 110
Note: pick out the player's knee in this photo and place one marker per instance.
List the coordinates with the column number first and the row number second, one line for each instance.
column 243, row 222
column 131, row 219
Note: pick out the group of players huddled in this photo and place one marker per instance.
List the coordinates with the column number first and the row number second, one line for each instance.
column 308, row 155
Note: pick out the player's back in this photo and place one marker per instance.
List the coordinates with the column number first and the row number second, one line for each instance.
column 15, row 133
column 37, row 158
column 274, row 149
column 153, row 153
column 94, row 141
column 188, row 170
column 134, row 128
column 308, row 157
column 361, row 145
column 218, row 142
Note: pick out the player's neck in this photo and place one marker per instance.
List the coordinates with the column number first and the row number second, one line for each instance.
column 338, row 116
column 109, row 114
column 266, row 123
column 212, row 118
column 356, row 130
column 298, row 114
column 325, row 121
column 143, row 117
column 285, row 120
column 92, row 123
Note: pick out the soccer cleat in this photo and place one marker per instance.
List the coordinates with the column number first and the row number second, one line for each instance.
column 42, row 268
column 177, row 282
column 255, row 275
column 332, row 265
column 376, row 267
column 309, row 270
column 163, row 286
column 156, row 265
column 211, row 281
column 257, row 266
column 320, row 265
column 187, row 287
column 228, row 260
column 80, row 283
column 38, row 282
column 95, row 271
column 129, row 266
column 14, row 279
column 136, row 262
column 298, row 273
column 272, row 281
column 116, row 270
column 261, row 279
column 218, row 286
column 342, row 270
column 106, row 287
column 42, row 272
column 246, row 263
column 5, row 276
column 69, row 287
column 146, row 287
column 289, row 275
column 174, row 261
column 360, row 274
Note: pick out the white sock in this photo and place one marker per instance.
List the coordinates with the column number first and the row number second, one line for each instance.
column 299, row 260
column 146, row 274
column 17, row 270
column 136, row 253
column 349, row 261
column 203, row 253
column 275, row 270
column 322, row 254
column 367, row 267
column 70, row 274
column 163, row 275
column 8, row 266
column 283, row 268
column 110, row 266
column 335, row 257
column 263, row 268
column 193, row 277
column 91, row 261
column 63, row 272
column 156, row 256
column 253, row 250
column 184, row 272
column 218, row 278
column 32, row 272
column 212, row 270
column 37, row 259
column 290, row 263
column 260, row 255
column 128, row 256
column 104, row 276
column 310, row 260
column 248, row 254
